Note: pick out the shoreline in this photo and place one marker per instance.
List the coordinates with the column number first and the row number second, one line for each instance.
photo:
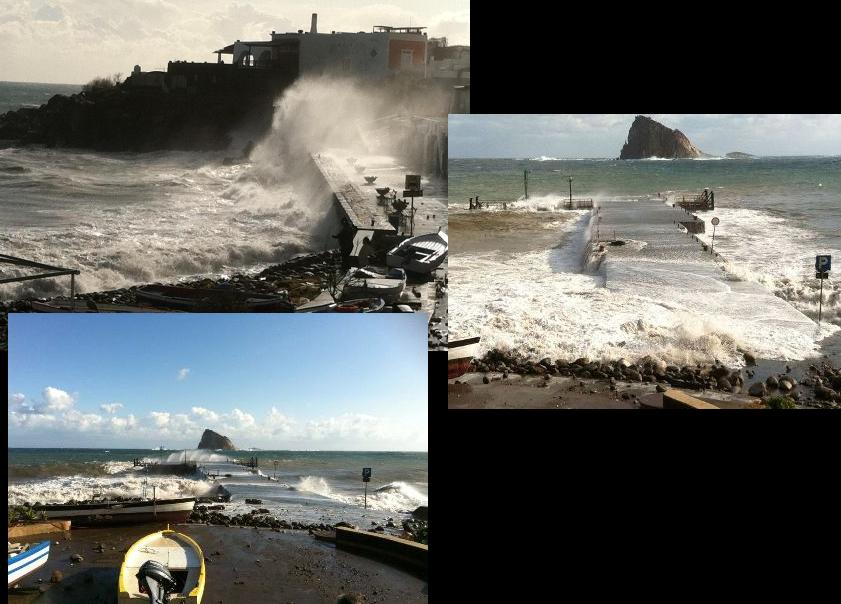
column 505, row 380
column 303, row 277
column 242, row 564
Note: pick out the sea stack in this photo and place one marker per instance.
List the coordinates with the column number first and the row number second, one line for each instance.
column 648, row 138
column 212, row 440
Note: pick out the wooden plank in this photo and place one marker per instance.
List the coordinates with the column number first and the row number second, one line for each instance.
column 677, row 399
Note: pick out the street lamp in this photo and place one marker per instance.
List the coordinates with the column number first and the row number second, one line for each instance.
column 526, row 182
column 570, row 191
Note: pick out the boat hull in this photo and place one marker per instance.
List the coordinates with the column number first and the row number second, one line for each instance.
column 25, row 563
column 182, row 556
column 422, row 254
column 459, row 355
column 162, row 510
column 185, row 298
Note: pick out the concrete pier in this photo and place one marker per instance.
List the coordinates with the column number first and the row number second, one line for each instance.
column 641, row 248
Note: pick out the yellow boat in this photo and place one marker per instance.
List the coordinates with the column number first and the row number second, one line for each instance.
column 165, row 566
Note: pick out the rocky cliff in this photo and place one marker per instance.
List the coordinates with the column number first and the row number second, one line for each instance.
column 212, row 440
column 648, row 138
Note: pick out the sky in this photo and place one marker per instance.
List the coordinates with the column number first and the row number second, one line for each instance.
column 602, row 135
column 272, row 381
column 73, row 41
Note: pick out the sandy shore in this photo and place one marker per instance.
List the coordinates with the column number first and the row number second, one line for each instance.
column 243, row 565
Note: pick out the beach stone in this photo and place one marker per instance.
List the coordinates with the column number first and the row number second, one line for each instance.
column 724, row 384
column 57, row 577
column 823, row 393
column 757, row 389
column 76, row 558
column 772, row 382
column 785, row 385
column 485, row 380
column 749, row 359
column 659, row 388
column 720, row 372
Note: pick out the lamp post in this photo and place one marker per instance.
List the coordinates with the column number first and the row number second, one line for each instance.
column 275, row 468
column 526, row 182
column 570, row 191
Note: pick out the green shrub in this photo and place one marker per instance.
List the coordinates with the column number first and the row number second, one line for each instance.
column 780, row 402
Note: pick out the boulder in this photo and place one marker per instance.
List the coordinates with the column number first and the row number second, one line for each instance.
column 421, row 513
column 757, row 389
column 749, row 359
column 648, row 138
column 785, row 384
column 772, row 382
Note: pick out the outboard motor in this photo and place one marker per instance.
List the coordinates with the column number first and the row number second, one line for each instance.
column 155, row 581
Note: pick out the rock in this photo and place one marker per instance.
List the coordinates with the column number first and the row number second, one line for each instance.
column 485, row 380
column 749, row 359
column 648, row 138
column 76, row 558
column 57, row 577
column 772, row 382
column 350, row 599
column 785, row 385
column 757, row 389
column 659, row 388
column 823, row 393
column 720, row 371
column 724, row 384
column 739, row 155
column 345, row 524
column 421, row 513
column 212, row 440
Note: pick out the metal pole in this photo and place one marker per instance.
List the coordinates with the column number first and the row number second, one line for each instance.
column 570, row 192
column 712, row 247
column 820, row 305
column 412, row 225
column 526, row 182
column 72, row 292
column 366, row 495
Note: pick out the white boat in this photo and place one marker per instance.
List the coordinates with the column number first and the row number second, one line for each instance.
column 323, row 302
column 166, row 564
column 26, row 559
column 421, row 254
column 459, row 355
column 370, row 282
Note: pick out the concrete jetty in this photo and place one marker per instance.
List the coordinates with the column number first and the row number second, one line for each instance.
column 640, row 247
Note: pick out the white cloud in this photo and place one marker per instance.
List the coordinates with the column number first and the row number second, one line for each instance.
column 56, row 400
column 110, row 407
column 183, row 373
column 160, row 418
column 241, row 419
column 205, row 414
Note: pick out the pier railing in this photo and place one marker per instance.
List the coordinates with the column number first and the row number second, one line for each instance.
column 704, row 201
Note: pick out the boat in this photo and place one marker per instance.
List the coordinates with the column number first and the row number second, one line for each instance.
column 187, row 298
column 371, row 282
column 421, row 254
column 323, row 302
column 26, row 559
column 121, row 512
column 165, row 566
column 87, row 306
column 459, row 355
column 361, row 305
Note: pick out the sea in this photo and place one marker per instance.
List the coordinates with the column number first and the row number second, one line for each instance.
column 127, row 218
column 18, row 95
column 521, row 277
column 305, row 486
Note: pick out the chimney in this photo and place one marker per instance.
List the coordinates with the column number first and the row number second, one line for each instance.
column 313, row 28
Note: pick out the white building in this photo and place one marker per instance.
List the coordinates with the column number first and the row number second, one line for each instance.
column 385, row 51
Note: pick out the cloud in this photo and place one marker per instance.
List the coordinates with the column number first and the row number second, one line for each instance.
column 56, row 400
column 160, row 418
column 241, row 419
column 110, row 407
column 205, row 414
column 182, row 374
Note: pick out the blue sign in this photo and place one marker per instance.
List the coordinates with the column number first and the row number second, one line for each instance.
column 823, row 263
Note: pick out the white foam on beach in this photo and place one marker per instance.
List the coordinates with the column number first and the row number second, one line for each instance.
column 65, row 488
column 538, row 304
column 771, row 251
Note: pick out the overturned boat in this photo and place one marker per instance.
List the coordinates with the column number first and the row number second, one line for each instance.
column 26, row 559
column 421, row 254
column 361, row 305
column 121, row 512
column 371, row 282
column 165, row 566
column 192, row 299
column 459, row 355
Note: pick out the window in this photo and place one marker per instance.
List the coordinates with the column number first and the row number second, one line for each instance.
column 406, row 57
